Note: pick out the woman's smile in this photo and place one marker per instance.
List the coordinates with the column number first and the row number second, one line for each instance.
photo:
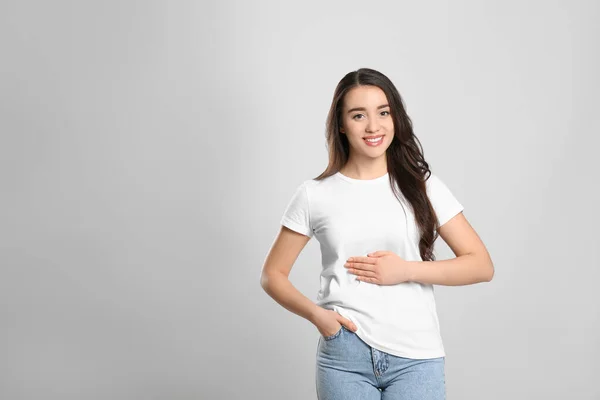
column 374, row 141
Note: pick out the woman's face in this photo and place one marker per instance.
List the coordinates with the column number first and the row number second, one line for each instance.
column 366, row 115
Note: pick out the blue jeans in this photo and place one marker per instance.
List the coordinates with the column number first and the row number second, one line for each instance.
column 348, row 368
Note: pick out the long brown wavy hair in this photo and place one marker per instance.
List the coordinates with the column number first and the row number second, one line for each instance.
column 405, row 161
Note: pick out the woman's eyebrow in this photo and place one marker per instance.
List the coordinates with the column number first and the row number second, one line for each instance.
column 364, row 109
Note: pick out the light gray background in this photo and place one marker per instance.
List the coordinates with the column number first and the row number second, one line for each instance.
column 148, row 150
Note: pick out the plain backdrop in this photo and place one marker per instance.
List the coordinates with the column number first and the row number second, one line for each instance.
column 148, row 150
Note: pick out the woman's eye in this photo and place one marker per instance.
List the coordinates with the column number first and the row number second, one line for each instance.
column 383, row 113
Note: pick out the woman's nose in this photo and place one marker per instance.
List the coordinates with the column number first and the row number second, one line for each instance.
column 373, row 125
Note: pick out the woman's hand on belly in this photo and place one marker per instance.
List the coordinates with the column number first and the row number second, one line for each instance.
column 380, row 267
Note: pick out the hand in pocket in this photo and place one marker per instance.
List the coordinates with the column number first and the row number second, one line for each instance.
column 329, row 322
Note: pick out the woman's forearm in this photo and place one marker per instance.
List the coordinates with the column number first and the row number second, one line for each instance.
column 279, row 287
column 464, row 270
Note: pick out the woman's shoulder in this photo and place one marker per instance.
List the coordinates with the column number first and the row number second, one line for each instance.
column 313, row 182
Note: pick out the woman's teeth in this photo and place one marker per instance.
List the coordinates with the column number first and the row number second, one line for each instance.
column 374, row 141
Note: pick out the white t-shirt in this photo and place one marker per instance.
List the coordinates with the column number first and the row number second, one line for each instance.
column 353, row 217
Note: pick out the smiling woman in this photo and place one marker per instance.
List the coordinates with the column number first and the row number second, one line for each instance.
column 376, row 211
column 372, row 125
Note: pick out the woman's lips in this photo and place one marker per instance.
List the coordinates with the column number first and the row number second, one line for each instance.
column 373, row 142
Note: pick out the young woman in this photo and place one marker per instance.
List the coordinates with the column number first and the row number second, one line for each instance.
column 376, row 211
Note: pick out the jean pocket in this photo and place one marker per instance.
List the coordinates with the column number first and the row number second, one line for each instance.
column 328, row 338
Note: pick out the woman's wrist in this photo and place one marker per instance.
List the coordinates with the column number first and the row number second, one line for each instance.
column 413, row 270
column 314, row 313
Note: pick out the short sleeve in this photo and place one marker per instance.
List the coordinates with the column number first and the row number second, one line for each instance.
column 297, row 213
column 443, row 201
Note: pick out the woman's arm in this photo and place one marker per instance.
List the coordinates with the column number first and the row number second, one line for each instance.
column 276, row 270
column 472, row 264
